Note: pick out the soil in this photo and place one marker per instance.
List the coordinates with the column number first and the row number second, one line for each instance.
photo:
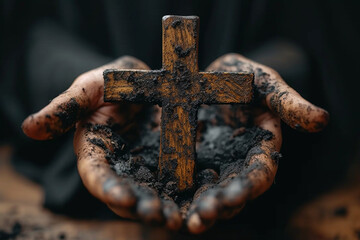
column 221, row 151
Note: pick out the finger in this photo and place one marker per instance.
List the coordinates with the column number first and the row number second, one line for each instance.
column 207, row 209
column 149, row 206
column 204, row 210
column 196, row 225
column 171, row 213
column 84, row 96
column 294, row 110
column 262, row 161
column 91, row 147
column 208, row 205
column 61, row 114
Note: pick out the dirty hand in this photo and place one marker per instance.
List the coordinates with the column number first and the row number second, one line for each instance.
column 82, row 105
column 96, row 122
column 274, row 100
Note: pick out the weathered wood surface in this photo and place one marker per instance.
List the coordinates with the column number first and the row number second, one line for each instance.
column 180, row 89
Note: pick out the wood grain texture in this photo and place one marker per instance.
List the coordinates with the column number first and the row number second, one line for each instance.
column 132, row 85
column 177, row 146
column 180, row 89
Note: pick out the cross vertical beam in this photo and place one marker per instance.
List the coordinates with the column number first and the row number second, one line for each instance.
column 178, row 123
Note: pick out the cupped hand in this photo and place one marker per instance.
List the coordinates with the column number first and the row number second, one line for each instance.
column 97, row 122
column 274, row 101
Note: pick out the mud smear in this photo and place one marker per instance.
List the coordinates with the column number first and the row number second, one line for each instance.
column 68, row 113
column 64, row 118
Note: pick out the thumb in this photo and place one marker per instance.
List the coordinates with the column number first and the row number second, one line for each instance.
column 64, row 111
column 293, row 109
column 85, row 95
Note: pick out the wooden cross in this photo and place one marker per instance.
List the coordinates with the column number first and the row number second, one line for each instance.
column 179, row 88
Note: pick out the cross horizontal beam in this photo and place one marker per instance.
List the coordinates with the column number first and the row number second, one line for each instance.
column 151, row 86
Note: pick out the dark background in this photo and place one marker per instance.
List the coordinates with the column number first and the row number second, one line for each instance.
column 314, row 45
